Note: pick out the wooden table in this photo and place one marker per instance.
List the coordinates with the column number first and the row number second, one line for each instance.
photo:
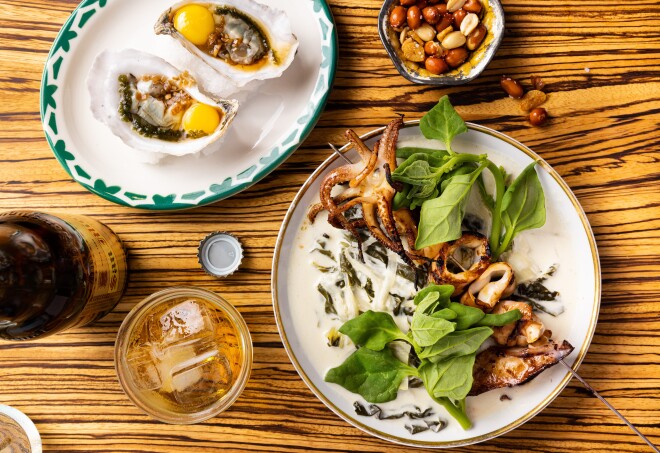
column 600, row 61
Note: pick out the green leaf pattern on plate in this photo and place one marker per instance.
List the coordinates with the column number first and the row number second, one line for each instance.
column 83, row 16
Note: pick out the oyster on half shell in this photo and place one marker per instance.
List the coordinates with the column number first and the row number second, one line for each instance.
column 241, row 39
column 152, row 106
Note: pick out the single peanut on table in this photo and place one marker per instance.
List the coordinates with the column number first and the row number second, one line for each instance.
column 511, row 87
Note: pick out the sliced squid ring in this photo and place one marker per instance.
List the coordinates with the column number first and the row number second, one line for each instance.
column 497, row 281
column 440, row 272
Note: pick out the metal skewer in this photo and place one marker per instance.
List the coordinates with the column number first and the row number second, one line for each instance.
column 334, row 148
column 618, row 414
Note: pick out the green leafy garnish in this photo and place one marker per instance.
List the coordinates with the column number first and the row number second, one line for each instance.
column 450, row 378
column 441, row 218
column 500, row 320
column 373, row 330
column 457, row 344
column 467, row 316
column 427, row 330
column 523, row 206
column 443, row 123
column 375, row 375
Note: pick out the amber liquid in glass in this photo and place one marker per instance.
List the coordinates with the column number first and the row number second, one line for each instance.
column 54, row 276
column 184, row 355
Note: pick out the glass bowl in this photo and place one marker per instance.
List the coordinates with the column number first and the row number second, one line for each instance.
column 493, row 18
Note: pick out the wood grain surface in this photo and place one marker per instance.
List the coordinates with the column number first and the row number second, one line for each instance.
column 600, row 60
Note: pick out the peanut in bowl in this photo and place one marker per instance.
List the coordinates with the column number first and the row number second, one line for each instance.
column 441, row 42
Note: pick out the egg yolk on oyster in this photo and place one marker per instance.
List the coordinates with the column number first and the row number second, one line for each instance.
column 161, row 107
column 224, row 33
column 195, row 23
column 201, row 117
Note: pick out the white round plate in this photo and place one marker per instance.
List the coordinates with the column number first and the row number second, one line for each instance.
column 565, row 239
column 275, row 115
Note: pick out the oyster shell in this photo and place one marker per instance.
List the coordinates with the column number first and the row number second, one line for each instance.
column 144, row 100
column 250, row 41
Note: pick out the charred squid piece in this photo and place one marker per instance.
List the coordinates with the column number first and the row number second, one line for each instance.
column 339, row 199
column 498, row 367
column 406, row 227
column 477, row 245
column 496, row 282
column 525, row 331
column 369, row 188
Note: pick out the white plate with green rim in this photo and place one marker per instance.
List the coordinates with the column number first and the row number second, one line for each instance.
column 275, row 116
column 565, row 239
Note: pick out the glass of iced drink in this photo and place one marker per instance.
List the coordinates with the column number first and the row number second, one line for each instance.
column 183, row 355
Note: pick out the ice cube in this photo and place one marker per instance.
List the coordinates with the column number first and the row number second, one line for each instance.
column 202, row 383
column 144, row 368
column 184, row 320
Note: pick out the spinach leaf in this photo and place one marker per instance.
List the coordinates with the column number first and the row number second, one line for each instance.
column 441, row 218
column 427, row 330
column 444, row 293
column 375, row 375
column 455, row 410
column 443, row 123
column 329, row 303
column 451, row 378
column 500, row 320
column 429, row 303
column 401, row 199
column 445, row 313
column 466, row 316
column 523, row 206
column 373, row 330
column 407, row 151
column 456, row 344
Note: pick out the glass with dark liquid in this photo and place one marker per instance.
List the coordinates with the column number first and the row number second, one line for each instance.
column 56, row 273
column 183, row 355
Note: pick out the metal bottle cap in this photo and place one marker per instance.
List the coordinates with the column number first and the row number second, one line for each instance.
column 17, row 432
column 220, row 254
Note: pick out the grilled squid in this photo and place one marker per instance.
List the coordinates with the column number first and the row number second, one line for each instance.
column 477, row 246
column 496, row 282
column 525, row 331
column 498, row 367
column 369, row 186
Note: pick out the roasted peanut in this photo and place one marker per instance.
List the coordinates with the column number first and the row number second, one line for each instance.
column 414, row 17
column 416, row 37
column 512, row 87
column 435, row 65
column 454, row 5
column 398, row 16
column 426, row 32
column 408, row 2
column 412, row 51
column 537, row 83
column 538, row 116
column 440, row 36
column 442, row 8
column 431, row 15
column 432, row 48
column 453, row 40
column 469, row 23
column 446, row 21
column 458, row 17
column 475, row 38
column 421, row 4
column 456, row 57
column 472, row 6
column 532, row 99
